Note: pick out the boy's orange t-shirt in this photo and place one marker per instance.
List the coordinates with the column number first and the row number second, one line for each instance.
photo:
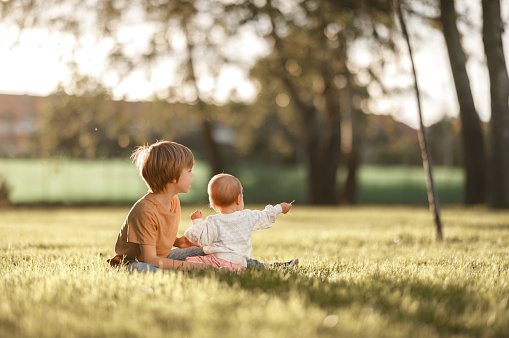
column 148, row 223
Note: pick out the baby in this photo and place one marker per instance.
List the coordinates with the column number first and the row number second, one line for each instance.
column 226, row 236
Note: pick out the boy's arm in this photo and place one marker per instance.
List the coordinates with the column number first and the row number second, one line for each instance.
column 149, row 256
column 182, row 242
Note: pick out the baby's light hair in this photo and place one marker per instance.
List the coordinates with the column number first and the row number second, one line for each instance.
column 161, row 163
column 223, row 190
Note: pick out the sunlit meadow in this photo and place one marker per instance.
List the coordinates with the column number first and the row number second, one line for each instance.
column 364, row 272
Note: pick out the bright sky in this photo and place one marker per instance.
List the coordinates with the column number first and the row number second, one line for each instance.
column 37, row 65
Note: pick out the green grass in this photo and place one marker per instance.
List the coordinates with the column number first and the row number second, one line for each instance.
column 117, row 182
column 364, row 272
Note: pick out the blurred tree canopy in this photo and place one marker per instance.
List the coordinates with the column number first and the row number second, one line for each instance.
column 92, row 125
column 286, row 74
column 311, row 81
column 306, row 66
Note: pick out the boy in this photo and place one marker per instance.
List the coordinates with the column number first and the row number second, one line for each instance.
column 149, row 232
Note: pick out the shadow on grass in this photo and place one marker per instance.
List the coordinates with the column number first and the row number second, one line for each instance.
column 488, row 227
column 443, row 307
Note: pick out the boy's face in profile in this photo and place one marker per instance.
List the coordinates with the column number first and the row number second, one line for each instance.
column 185, row 180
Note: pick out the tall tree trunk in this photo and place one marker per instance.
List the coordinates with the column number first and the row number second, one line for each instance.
column 474, row 157
column 349, row 142
column 499, row 94
column 322, row 156
column 322, row 177
column 349, row 195
column 330, row 145
column 322, row 144
column 211, row 146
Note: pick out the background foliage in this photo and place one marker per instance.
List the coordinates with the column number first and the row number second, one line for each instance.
column 106, row 182
column 303, row 96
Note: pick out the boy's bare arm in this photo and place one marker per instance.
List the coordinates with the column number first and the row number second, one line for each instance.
column 149, row 256
column 182, row 242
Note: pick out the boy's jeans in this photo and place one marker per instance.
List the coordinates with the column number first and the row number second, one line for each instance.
column 181, row 255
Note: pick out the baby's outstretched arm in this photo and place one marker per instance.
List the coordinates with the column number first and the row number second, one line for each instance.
column 195, row 215
column 286, row 207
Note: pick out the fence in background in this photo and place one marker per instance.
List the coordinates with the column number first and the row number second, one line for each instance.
column 116, row 182
column 77, row 181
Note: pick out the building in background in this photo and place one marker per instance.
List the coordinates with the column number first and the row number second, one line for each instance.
column 18, row 114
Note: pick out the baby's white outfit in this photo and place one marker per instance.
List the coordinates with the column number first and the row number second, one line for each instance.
column 228, row 236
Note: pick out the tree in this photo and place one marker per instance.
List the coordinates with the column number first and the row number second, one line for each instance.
column 426, row 158
column 71, row 125
column 499, row 94
column 180, row 38
column 91, row 125
column 301, row 78
column 211, row 147
column 88, row 126
column 473, row 143
column 309, row 61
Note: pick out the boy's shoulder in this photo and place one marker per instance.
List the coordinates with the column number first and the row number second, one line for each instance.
column 147, row 201
column 150, row 203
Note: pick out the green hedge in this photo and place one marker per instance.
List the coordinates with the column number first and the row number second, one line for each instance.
column 117, row 182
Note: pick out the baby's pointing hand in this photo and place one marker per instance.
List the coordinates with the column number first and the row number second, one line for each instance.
column 195, row 215
column 286, row 207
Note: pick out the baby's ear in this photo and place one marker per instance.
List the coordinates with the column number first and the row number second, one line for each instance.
column 238, row 199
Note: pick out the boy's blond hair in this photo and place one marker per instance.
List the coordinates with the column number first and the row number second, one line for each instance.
column 223, row 190
column 161, row 163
